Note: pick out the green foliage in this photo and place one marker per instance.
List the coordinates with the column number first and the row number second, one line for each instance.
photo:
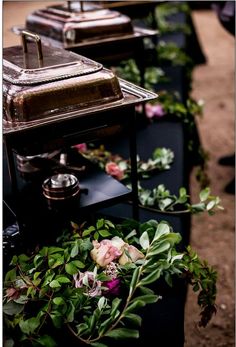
column 203, row 280
column 171, row 52
column 161, row 199
column 129, row 71
column 40, row 298
column 163, row 13
column 161, row 159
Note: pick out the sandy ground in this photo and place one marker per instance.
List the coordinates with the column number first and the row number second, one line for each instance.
column 212, row 237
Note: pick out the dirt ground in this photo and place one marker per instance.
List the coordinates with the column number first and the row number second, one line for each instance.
column 212, row 237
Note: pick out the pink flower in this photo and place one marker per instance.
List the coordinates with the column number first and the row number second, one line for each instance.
column 12, row 293
column 114, row 170
column 88, row 281
column 154, row 110
column 104, row 252
column 113, row 286
column 139, row 108
column 82, row 147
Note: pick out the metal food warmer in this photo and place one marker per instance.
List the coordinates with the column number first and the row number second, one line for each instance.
column 52, row 100
column 104, row 35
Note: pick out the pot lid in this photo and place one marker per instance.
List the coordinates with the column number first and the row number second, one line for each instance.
column 26, row 68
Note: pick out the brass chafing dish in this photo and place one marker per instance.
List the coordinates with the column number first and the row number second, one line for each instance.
column 72, row 25
column 55, row 84
column 36, row 87
column 77, row 25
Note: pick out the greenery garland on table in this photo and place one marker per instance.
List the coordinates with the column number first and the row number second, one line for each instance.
column 169, row 105
column 94, row 281
column 159, row 198
column 120, row 168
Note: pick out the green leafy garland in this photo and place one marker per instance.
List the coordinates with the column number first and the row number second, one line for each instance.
column 161, row 160
column 65, row 286
column 160, row 199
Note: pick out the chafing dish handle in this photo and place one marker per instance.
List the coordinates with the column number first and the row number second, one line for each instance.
column 37, row 39
column 81, row 5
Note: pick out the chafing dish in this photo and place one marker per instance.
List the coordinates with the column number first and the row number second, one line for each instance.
column 71, row 25
column 40, row 86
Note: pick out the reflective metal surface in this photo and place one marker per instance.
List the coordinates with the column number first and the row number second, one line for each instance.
column 132, row 95
column 65, row 82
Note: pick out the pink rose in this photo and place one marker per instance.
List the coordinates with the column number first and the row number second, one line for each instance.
column 154, row 110
column 87, row 280
column 134, row 255
column 114, row 170
column 82, row 147
column 104, row 252
column 113, row 286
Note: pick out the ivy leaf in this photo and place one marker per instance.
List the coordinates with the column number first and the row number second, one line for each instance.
column 134, row 280
column 123, row 333
column 100, row 223
column 164, row 246
column 104, row 232
column 168, row 279
column 102, row 303
column 148, row 299
column 144, row 240
column 63, row 279
column 152, row 277
column 204, row 194
column 70, row 313
column 210, row 205
column 54, row 284
column 162, row 229
column 11, row 308
column 56, row 318
column 133, row 318
column 58, row 300
column 10, row 275
column 71, row 268
column 46, row 341
column 53, row 250
column 30, row 325
column 115, row 303
column 88, row 231
column 75, row 250
column 136, row 304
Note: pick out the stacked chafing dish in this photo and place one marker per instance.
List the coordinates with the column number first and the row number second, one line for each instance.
column 77, row 24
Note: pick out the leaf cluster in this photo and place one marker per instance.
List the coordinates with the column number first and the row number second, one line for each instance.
column 161, row 199
column 161, row 159
column 203, row 280
column 40, row 296
column 163, row 15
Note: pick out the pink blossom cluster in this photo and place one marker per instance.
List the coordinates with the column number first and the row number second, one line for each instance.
column 107, row 254
column 114, row 170
column 152, row 111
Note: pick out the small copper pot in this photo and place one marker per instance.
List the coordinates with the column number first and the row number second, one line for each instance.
column 62, row 186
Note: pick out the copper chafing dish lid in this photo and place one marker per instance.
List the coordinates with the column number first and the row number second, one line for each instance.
column 57, row 64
